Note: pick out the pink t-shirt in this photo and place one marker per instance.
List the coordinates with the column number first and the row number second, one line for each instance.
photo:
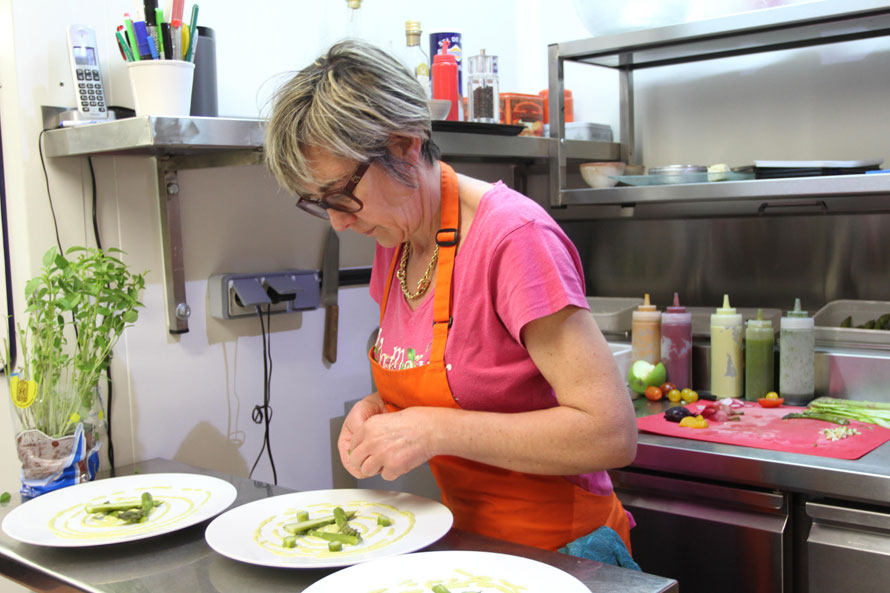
column 514, row 266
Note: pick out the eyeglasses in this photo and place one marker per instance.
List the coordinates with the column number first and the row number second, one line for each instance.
column 342, row 200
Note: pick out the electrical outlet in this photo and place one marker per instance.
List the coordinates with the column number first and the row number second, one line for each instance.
column 234, row 296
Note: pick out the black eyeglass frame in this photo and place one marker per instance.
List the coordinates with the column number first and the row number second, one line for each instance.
column 352, row 204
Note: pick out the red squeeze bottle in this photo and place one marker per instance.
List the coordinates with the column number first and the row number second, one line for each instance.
column 445, row 80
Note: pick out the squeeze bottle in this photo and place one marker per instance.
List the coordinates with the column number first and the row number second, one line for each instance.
column 445, row 80
column 797, row 368
column 726, row 351
column 645, row 333
column 760, row 343
column 676, row 344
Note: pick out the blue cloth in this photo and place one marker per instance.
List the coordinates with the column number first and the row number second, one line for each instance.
column 603, row 545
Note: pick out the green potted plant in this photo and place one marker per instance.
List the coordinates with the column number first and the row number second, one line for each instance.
column 77, row 308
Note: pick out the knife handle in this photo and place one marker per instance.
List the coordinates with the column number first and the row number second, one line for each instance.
column 331, row 320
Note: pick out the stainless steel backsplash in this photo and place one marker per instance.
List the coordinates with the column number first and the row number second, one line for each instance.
column 759, row 262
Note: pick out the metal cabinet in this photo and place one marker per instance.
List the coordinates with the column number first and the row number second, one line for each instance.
column 779, row 28
column 848, row 549
column 709, row 537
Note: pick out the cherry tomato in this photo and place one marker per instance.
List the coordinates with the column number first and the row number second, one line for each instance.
column 691, row 397
column 667, row 387
column 674, row 395
column 770, row 402
column 684, row 392
column 653, row 393
column 772, row 395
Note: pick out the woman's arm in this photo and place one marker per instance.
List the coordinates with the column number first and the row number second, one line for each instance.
column 593, row 427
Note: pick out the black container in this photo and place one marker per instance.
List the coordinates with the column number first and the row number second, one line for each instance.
column 204, row 93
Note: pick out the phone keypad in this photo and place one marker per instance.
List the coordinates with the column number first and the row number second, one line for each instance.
column 92, row 97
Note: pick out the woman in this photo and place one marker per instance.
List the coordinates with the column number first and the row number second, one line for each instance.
column 487, row 364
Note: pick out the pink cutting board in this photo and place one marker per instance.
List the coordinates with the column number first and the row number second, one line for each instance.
column 763, row 428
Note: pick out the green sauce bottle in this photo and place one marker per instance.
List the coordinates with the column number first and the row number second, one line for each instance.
column 760, row 343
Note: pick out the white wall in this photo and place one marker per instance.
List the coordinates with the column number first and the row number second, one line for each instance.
column 190, row 397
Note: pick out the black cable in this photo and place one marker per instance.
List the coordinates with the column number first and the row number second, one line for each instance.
column 262, row 414
column 107, row 368
column 10, row 310
column 48, row 194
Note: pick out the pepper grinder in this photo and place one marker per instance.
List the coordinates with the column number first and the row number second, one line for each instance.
column 483, row 105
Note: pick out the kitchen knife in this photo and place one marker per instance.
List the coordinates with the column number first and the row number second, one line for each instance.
column 330, row 280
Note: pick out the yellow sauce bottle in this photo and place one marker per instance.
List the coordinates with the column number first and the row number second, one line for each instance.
column 727, row 372
column 645, row 330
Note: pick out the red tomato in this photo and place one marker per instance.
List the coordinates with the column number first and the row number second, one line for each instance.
column 653, row 393
column 667, row 387
column 770, row 402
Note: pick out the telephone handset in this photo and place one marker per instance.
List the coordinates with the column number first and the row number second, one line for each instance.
column 83, row 55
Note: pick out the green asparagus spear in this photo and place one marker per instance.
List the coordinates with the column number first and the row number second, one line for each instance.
column 302, row 515
column 384, row 521
column 335, row 546
column 812, row 415
column 303, row 526
column 337, row 537
column 342, row 524
column 290, row 541
column 147, row 505
column 110, row 507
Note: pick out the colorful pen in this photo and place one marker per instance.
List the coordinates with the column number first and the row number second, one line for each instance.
column 131, row 35
column 123, row 45
column 193, row 26
column 176, row 38
column 159, row 20
column 142, row 38
column 168, row 40
column 178, row 6
column 185, row 42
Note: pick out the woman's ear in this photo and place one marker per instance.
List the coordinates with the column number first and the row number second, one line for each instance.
column 405, row 147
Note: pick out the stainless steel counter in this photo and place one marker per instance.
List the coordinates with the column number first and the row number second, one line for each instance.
column 866, row 479
column 182, row 562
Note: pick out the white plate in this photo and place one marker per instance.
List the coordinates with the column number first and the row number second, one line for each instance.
column 460, row 571
column 59, row 518
column 254, row 532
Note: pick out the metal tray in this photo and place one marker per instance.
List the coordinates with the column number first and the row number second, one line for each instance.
column 613, row 314
column 829, row 318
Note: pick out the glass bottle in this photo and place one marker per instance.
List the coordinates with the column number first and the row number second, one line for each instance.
column 416, row 60
column 482, row 89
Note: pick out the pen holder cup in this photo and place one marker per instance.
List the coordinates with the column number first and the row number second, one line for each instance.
column 162, row 87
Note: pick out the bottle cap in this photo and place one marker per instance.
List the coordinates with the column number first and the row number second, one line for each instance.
column 443, row 56
column 726, row 315
column 412, row 27
column 646, row 306
column 760, row 322
column 676, row 308
column 796, row 312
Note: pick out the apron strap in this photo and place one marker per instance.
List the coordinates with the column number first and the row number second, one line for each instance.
column 447, row 239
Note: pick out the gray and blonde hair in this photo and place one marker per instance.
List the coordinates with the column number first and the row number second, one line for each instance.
column 349, row 102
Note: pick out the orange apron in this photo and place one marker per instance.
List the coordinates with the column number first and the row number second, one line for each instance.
column 535, row 510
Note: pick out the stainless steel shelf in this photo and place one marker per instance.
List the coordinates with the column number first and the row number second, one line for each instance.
column 212, row 137
column 783, row 27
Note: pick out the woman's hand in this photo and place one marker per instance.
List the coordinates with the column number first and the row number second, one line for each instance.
column 364, row 409
column 391, row 444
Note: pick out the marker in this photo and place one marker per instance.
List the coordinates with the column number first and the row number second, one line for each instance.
column 122, row 44
column 193, row 26
column 142, row 38
column 168, row 40
column 178, row 6
column 185, row 41
column 131, row 35
column 159, row 20
column 176, row 38
column 152, row 48
column 194, row 46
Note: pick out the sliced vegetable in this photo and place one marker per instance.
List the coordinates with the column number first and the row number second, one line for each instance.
column 694, row 422
column 303, row 526
column 384, row 521
column 813, row 415
column 337, row 537
column 841, row 432
column 771, row 402
column 335, row 546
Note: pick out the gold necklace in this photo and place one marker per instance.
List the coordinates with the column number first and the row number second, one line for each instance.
column 424, row 282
